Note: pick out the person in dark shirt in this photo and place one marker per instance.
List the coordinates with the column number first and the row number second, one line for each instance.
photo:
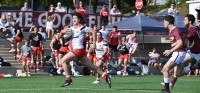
column 123, row 58
column 18, row 35
column 35, row 40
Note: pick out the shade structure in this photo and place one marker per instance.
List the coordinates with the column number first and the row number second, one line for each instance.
column 138, row 23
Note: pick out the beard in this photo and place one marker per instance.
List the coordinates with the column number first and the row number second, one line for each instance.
column 187, row 25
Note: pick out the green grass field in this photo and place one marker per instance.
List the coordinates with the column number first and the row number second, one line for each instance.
column 120, row 84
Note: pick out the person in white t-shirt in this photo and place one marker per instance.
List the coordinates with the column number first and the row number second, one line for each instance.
column 153, row 59
column 172, row 10
column 105, row 32
column 59, row 8
column 49, row 25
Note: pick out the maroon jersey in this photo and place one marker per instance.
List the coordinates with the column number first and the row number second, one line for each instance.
column 175, row 35
column 193, row 35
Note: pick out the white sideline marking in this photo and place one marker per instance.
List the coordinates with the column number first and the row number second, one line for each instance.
column 64, row 88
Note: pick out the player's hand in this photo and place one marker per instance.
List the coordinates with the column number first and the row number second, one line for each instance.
column 167, row 52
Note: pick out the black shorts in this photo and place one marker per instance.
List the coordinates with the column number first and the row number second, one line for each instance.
column 113, row 47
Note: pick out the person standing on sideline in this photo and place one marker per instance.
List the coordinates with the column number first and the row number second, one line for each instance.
column 123, row 58
column 114, row 42
column 25, row 57
column 78, row 51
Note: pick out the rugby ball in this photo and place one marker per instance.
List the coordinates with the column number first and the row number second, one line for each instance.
column 119, row 72
column 68, row 36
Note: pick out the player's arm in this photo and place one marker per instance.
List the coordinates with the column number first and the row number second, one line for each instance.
column 94, row 35
column 105, row 47
column 134, row 48
column 20, row 55
column 18, row 31
column 52, row 42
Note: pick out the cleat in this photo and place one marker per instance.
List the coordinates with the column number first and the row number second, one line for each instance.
column 164, row 91
column 67, row 83
column 108, row 79
column 170, row 84
column 96, row 82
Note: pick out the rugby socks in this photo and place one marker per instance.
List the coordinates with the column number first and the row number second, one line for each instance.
column 173, row 81
column 166, row 81
column 68, row 78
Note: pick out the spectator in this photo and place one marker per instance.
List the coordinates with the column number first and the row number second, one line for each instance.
column 4, row 24
column 51, row 8
column 153, row 59
column 26, row 57
column 49, row 25
column 138, row 13
column 114, row 41
column 115, row 11
column 26, row 8
column 124, row 54
column 105, row 32
column 36, row 41
column 80, row 8
column 104, row 12
column 133, row 13
column 172, row 10
column 18, row 35
column 59, row 8
column 42, row 32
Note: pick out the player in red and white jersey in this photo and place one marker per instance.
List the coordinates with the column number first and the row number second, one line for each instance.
column 177, row 50
column 78, row 51
column 101, row 52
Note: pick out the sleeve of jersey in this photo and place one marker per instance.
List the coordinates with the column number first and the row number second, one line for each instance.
column 87, row 29
column 105, row 44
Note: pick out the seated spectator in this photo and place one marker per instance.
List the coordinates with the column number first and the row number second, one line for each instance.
column 115, row 11
column 26, row 8
column 51, row 8
column 172, row 10
column 153, row 59
column 133, row 13
column 5, row 26
column 104, row 12
column 59, row 8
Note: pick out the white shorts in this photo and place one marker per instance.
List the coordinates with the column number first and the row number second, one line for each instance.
column 178, row 57
column 193, row 56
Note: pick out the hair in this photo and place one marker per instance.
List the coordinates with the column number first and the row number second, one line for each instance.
column 169, row 19
column 13, row 21
column 115, row 27
column 191, row 18
column 100, row 33
column 78, row 15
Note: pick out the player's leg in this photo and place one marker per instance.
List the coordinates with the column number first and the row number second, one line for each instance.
column 88, row 64
column 65, row 60
column 99, row 65
column 169, row 65
column 125, row 66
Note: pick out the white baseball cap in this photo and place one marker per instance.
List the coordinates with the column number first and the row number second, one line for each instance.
column 9, row 13
column 59, row 3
